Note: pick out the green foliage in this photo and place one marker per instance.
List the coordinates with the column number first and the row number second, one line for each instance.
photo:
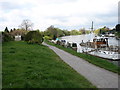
column 97, row 31
column 42, row 33
column 59, row 32
column 53, row 32
column 88, row 31
column 66, row 32
column 102, row 30
column 75, row 32
column 47, row 38
column 56, row 32
column 34, row 37
column 117, row 34
column 6, row 37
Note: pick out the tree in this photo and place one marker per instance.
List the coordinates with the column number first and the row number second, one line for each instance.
column 59, row 32
column 6, row 37
column 118, row 27
column 14, row 29
column 51, row 31
column 66, row 32
column 26, row 25
column 82, row 31
column 74, row 32
column 11, row 30
column 6, row 30
column 100, row 32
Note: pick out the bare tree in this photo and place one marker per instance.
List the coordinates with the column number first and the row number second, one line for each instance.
column 26, row 25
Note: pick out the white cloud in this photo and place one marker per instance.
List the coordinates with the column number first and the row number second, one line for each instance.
column 44, row 13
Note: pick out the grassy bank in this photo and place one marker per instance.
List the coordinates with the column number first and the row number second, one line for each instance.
column 92, row 59
column 36, row 66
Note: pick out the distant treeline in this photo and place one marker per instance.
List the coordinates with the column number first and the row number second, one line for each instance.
column 50, row 33
column 105, row 30
column 53, row 32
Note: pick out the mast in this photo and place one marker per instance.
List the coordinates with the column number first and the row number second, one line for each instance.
column 92, row 27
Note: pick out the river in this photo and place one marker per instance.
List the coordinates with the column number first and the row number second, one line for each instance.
column 89, row 37
column 78, row 39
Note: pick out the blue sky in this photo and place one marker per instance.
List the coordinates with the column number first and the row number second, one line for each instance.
column 64, row 14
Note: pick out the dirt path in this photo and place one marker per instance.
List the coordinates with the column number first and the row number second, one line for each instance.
column 99, row 77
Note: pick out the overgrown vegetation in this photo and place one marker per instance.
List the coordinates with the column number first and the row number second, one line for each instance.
column 103, row 30
column 54, row 32
column 34, row 37
column 91, row 59
column 7, row 37
column 36, row 66
column 118, row 30
column 118, row 34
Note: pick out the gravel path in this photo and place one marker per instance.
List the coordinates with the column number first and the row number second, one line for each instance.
column 99, row 77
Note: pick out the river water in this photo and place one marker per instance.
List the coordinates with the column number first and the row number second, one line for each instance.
column 78, row 39
column 89, row 37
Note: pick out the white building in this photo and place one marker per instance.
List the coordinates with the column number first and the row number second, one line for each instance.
column 18, row 38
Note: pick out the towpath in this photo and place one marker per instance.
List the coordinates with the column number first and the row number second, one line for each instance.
column 99, row 77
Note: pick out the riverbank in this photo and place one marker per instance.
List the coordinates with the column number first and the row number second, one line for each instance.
column 100, row 77
column 91, row 59
column 36, row 66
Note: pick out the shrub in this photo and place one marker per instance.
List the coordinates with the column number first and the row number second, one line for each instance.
column 34, row 37
column 22, row 37
column 117, row 34
column 6, row 37
column 47, row 38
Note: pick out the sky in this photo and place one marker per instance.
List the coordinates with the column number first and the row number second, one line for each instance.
column 63, row 14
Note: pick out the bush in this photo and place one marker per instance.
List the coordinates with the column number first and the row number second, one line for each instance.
column 34, row 37
column 6, row 37
column 23, row 37
column 117, row 34
column 47, row 38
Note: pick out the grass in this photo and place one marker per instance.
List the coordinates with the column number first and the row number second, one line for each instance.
column 91, row 59
column 36, row 66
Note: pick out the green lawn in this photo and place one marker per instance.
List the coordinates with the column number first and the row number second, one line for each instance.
column 36, row 66
column 92, row 59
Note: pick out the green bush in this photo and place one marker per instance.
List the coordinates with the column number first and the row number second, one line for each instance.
column 47, row 38
column 117, row 34
column 6, row 37
column 34, row 37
